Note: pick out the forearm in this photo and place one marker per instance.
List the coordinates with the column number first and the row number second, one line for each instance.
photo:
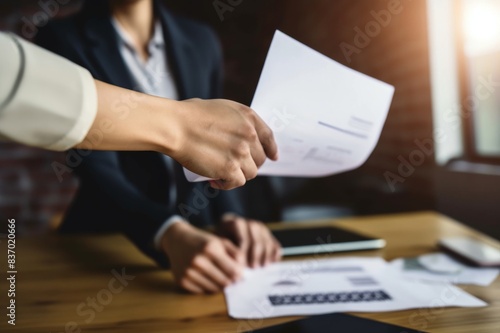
column 129, row 120
column 49, row 102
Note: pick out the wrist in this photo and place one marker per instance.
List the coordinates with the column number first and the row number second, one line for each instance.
column 165, row 127
column 157, row 240
column 173, row 233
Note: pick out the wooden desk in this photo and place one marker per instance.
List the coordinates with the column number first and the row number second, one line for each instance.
column 58, row 275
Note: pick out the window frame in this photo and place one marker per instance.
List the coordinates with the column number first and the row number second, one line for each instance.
column 470, row 152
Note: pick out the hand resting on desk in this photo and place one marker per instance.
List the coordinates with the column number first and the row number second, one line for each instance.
column 202, row 262
column 253, row 238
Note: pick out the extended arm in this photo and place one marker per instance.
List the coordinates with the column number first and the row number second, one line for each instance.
column 48, row 102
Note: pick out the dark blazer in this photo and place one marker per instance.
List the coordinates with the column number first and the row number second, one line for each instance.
column 128, row 191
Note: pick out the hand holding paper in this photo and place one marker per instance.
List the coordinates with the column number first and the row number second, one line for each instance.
column 326, row 117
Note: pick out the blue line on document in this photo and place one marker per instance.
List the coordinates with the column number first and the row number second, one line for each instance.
column 358, row 135
column 359, row 120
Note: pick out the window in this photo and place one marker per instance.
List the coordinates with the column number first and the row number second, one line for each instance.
column 464, row 39
column 479, row 55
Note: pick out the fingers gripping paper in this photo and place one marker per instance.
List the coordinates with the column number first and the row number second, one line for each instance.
column 326, row 117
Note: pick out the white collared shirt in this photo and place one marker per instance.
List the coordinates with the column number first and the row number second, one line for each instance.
column 153, row 76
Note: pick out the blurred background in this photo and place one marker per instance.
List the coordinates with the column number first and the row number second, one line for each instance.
column 440, row 147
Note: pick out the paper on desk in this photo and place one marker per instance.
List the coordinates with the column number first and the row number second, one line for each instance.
column 463, row 275
column 335, row 285
column 326, row 117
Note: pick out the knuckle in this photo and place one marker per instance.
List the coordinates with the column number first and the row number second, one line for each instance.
column 184, row 283
column 248, row 131
column 232, row 166
column 252, row 174
column 245, row 110
column 253, row 225
column 245, row 244
column 196, row 261
column 240, row 182
column 189, row 273
column 259, row 160
column 267, row 233
column 241, row 149
column 267, row 135
column 270, row 247
column 210, row 246
column 257, row 248
column 251, row 134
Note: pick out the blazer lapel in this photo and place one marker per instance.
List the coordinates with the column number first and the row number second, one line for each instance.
column 105, row 54
column 110, row 67
column 178, row 52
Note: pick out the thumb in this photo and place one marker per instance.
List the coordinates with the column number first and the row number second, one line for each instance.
column 234, row 252
column 238, row 230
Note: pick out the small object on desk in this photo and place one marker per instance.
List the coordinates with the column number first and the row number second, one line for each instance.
column 471, row 251
column 335, row 322
column 458, row 273
column 299, row 241
column 439, row 264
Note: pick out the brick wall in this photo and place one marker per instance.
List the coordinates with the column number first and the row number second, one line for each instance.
column 29, row 189
column 397, row 53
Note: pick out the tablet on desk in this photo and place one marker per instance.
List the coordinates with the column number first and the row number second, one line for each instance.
column 299, row 241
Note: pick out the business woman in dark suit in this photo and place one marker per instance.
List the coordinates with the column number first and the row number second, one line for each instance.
column 138, row 44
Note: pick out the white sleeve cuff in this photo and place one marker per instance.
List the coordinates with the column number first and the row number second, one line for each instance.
column 84, row 120
column 53, row 101
column 163, row 229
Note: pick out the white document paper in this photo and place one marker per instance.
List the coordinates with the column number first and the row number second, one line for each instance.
column 326, row 117
column 335, row 285
column 462, row 274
